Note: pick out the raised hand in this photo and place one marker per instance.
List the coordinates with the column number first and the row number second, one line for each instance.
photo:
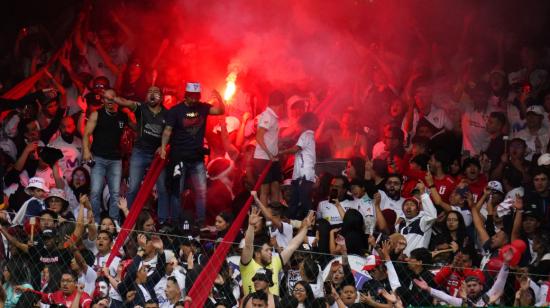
column 385, row 251
column 123, row 204
column 254, row 217
column 518, row 202
column 309, row 220
column 142, row 240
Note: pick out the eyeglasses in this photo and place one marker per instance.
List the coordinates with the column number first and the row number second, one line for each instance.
column 300, row 290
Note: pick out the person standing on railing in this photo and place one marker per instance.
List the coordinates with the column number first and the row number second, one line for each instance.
column 151, row 119
column 184, row 130
column 106, row 126
column 267, row 148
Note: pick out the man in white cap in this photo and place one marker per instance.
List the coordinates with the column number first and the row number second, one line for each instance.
column 185, row 129
column 534, row 134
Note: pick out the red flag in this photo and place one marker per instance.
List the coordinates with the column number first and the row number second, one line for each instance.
column 202, row 286
column 143, row 194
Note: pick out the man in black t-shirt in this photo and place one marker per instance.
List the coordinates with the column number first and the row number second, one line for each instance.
column 151, row 118
column 106, row 125
column 185, row 127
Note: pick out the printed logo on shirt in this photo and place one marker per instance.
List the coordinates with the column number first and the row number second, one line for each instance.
column 120, row 124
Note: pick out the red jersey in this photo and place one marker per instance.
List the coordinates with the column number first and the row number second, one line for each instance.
column 477, row 187
column 60, row 299
column 445, row 187
column 449, row 280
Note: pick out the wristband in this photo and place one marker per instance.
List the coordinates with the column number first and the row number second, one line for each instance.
column 431, row 186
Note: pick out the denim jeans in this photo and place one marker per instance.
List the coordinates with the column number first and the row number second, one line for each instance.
column 139, row 162
column 300, row 199
column 196, row 172
column 112, row 170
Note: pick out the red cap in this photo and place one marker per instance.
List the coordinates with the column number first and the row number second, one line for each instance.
column 372, row 262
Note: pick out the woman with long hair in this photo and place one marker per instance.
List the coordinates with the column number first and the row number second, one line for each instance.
column 14, row 274
column 303, row 294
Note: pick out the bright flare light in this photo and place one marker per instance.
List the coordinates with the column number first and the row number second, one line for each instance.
column 230, row 87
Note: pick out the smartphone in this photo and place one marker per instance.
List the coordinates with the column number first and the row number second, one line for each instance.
column 327, row 286
column 428, row 167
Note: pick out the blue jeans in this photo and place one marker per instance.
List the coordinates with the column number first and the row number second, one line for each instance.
column 139, row 162
column 197, row 173
column 112, row 170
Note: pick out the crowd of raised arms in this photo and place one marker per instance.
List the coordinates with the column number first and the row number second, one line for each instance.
column 429, row 187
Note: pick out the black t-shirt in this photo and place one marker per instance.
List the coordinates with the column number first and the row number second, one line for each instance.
column 107, row 134
column 150, row 127
column 57, row 260
column 188, row 124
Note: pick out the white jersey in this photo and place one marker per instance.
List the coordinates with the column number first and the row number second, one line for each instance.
column 284, row 237
column 388, row 203
column 270, row 122
column 72, row 154
column 304, row 163
column 329, row 212
column 365, row 206
column 100, row 263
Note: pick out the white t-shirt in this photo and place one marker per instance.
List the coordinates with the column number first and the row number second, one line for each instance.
column 437, row 117
column 99, row 263
column 543, row 134
column 88, row 280
column 304, row 163
column 270, row 122
column 329, row 212
column 160, row 287
column 388, row 203
column 365, row 206
column 284, row 237
column 474, row 131
column 72, row 153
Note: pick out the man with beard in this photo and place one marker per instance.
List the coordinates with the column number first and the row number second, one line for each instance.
column 185, row 129
column 151, row 119
column 474, row 288
column 391, row 196
column 69, row 145
column 106, row 125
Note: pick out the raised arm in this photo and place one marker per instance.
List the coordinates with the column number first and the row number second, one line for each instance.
column 440, row 295
column 21, row 246
column 218, row 108
column 500, row 282
column 248, row 249
column 121, row 101
column 479, row 225
column 298, row 239
column 518, row 218
column 434, row 194
column 265, row 211
column 380, row 219
column 430, row 212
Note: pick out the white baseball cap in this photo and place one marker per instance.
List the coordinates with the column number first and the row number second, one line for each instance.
column 536, row 109
column 36, row 182
column 544, row 160
column 193, row 87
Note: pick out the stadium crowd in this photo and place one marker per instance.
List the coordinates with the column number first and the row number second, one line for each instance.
column 431, row 188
